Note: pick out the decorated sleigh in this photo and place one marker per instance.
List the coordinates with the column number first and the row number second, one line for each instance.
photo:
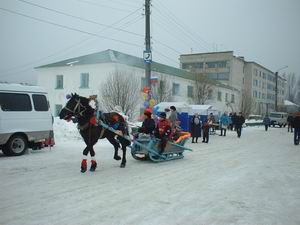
column 146, row 147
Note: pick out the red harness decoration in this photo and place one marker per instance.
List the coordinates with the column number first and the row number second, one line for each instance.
column 93, row 120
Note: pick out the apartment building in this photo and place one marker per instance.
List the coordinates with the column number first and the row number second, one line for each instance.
column 255, row 82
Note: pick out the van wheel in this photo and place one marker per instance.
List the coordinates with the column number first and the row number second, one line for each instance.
column 16, row 145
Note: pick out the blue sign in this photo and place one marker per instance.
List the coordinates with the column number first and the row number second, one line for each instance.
column 147, row 56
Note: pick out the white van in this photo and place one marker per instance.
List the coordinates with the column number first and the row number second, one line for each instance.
column 278, row 118
column 25, row 118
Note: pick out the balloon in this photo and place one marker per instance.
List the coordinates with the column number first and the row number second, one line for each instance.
column 144, row 96
column 151, row 103
column 146, row 104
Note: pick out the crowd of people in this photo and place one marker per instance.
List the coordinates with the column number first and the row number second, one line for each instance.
column 168, row 128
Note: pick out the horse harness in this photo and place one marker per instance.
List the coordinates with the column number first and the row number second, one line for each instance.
column 77, row 107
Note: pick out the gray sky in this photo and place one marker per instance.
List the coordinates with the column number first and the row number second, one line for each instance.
column 264, row 31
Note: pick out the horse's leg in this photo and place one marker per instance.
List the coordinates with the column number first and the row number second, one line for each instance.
column 116, row 145
column 123, row 163
column 93, row 161
column 84, row 159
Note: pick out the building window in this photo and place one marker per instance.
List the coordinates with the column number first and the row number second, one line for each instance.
column 219, row 76
column 59, row 82
column 175, row 89
column 195, row 65
column 255, row 94
column 84, row 80
column 232, row 98
column 217, row 64
column 210, row 94
column 57, row 109
column 219, row 96
column 190, row 91
column 226, row 97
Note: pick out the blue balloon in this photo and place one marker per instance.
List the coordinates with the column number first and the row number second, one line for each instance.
column 146, row 104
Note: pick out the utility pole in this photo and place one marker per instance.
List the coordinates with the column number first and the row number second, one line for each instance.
column 276, row 91
column 147, row 51
column 276, row 87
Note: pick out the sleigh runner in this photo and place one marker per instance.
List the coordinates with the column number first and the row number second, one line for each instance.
column 147, row 147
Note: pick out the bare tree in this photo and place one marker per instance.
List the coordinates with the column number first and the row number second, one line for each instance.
column 203, row 88
column 121, row 88
column 246, row 103
column 293, row 88
column 162, row 90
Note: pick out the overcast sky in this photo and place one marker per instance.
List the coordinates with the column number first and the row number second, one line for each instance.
column 38, row 32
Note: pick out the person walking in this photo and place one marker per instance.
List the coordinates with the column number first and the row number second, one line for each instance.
column 224, row 122
column 173, row 116
column 289, row 122
column 195, row 127
column 266, row 122
column 233, row 119
column 296, row 126
column 205, row 128
column 239, row 121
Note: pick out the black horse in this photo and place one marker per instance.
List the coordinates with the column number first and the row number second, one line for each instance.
column 78, row 108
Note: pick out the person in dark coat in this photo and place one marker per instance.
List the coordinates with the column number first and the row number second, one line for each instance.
column 296, row 126
column 233, row 119
column 289, row 122
column 266, row 122
column 205, row 128
column 195, row 127
column 239, row 121
column 148, row 125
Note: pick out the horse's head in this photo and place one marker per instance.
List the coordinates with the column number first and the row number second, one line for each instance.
column 76, row 106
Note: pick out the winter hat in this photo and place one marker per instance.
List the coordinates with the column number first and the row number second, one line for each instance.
column 163, row 115
column 147, row 112
column 173, row 108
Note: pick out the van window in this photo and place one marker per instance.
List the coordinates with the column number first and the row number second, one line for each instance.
column 40, row 102
column 15, row 102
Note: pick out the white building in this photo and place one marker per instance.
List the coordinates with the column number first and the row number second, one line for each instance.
column 85, row 74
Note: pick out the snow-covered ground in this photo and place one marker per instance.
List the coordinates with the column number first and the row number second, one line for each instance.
column 253, row 180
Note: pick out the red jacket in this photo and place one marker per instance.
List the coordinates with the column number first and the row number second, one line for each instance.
column 164, row 127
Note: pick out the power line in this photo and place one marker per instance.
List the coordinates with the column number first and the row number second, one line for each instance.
column 68, row 28
column 102, row 5
column 185, row 32
column 184, row 26
column 80, row 18
column 65, row 49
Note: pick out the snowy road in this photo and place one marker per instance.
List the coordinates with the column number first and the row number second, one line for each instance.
column 254, row 180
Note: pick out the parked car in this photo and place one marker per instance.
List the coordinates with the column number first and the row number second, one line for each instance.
column 278, row 118
column 25, row 118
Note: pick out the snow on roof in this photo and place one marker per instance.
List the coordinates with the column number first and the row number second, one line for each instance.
column 287, row 102
column 180, row 106
column 202, row 109
column 21, row 88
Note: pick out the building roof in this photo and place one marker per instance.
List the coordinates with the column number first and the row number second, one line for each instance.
column 205, row 53
column 112, row 56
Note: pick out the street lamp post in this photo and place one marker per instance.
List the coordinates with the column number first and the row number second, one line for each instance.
column 276, row 87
